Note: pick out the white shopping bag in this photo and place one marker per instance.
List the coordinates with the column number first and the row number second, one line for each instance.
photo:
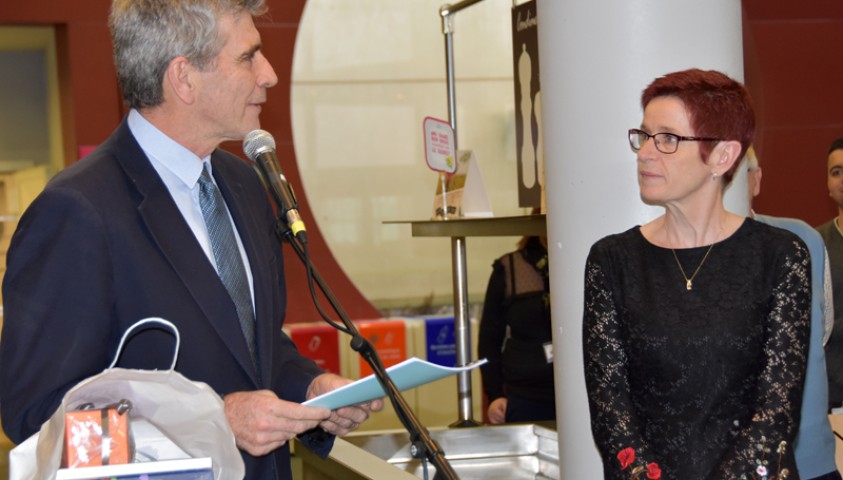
column 189, row 413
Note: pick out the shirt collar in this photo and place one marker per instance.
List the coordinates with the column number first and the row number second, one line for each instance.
column 183, row 163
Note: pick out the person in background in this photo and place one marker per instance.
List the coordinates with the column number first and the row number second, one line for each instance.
column 515, row 337
column 815, row 441
column 131, row 230
column 833, row 237
column 694, row 350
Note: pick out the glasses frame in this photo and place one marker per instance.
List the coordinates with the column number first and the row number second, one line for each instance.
column 679, row 138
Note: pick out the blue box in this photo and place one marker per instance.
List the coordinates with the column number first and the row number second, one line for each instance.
column 440, row 343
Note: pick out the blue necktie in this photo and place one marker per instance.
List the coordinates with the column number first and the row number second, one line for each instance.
column 227, row 256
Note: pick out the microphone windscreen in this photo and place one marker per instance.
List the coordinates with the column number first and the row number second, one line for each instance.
column 257, row 142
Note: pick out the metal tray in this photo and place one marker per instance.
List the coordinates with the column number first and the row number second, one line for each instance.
column 516, row 451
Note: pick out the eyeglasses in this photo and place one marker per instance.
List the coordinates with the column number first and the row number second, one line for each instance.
column 665, row 142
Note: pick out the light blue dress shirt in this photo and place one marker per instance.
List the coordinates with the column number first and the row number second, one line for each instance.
column 179, row 169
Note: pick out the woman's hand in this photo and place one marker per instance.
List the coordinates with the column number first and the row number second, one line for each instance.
column 497, row 411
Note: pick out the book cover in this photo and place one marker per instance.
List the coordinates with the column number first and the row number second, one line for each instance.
column 184, row 469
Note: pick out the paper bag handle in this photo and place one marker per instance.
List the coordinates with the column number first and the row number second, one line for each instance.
column 139, row 324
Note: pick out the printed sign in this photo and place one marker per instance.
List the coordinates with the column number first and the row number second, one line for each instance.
column 528, row 106
column 439, row 145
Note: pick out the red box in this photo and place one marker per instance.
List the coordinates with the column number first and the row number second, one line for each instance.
column 96, row 437
column 319, row 342
column 388, row 337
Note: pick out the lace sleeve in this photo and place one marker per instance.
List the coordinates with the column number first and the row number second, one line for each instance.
column 760, row 446
column 613, row 423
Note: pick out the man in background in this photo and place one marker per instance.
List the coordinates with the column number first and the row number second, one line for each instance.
column 815, row 441
column 833, row 239
column 134, row 231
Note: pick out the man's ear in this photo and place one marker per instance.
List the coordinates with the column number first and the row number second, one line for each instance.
column 179, row 80
column 755, row 182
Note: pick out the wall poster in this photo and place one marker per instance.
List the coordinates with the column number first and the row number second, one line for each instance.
column 528, row 112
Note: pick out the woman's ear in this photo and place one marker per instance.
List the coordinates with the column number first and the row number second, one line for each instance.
column 724, row 155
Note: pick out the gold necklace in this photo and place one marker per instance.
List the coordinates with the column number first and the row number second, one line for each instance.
column 689, row 282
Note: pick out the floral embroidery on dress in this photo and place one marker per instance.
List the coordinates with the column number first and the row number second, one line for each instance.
column 653, row 471
column 762, row 466
column 627, row 458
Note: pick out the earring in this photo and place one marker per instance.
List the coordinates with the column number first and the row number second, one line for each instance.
column 714, row 175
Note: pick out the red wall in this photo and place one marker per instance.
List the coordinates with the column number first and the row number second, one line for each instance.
column 792, row 54
column 791, row 49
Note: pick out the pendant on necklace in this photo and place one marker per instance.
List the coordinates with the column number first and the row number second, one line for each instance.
column 689, row 285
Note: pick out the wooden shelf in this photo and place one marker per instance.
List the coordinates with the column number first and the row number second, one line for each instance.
column 529, row 225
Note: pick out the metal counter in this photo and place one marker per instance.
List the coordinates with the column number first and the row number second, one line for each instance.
column 505, row 452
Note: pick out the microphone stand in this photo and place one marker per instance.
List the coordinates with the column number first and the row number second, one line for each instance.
column 421, row 444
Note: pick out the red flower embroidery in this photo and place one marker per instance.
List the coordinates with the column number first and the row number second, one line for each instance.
column 626, row 457
column 653, row 471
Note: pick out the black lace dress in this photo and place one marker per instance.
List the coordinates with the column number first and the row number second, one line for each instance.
column 703, row 383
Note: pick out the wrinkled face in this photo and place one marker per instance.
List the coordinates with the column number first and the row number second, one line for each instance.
column 667, row 178
column 835, row 176
column 233, row 87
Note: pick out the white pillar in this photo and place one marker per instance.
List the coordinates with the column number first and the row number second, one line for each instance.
column 596, row 57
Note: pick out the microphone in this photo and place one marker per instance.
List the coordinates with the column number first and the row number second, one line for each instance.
column 260, row 148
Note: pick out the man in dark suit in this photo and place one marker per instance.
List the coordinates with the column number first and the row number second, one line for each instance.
column 120, row 236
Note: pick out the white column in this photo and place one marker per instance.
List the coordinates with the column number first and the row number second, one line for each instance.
column 596, row 57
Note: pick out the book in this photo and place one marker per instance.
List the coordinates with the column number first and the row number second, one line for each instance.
column 408, row 374
column 183, row 469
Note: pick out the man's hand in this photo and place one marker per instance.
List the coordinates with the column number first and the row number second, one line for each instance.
column 263, row 422
column 346, row 419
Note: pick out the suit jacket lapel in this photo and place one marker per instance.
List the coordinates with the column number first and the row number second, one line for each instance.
column 177, row 243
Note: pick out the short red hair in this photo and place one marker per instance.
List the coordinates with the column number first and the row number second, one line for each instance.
column 717, row 106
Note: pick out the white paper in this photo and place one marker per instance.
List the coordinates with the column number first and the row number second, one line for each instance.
column 410, row 373
column 151, row 445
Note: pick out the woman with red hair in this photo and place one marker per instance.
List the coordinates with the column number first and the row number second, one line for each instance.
column 695, row 324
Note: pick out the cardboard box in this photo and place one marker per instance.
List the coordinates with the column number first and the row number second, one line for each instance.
column 96, row 437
